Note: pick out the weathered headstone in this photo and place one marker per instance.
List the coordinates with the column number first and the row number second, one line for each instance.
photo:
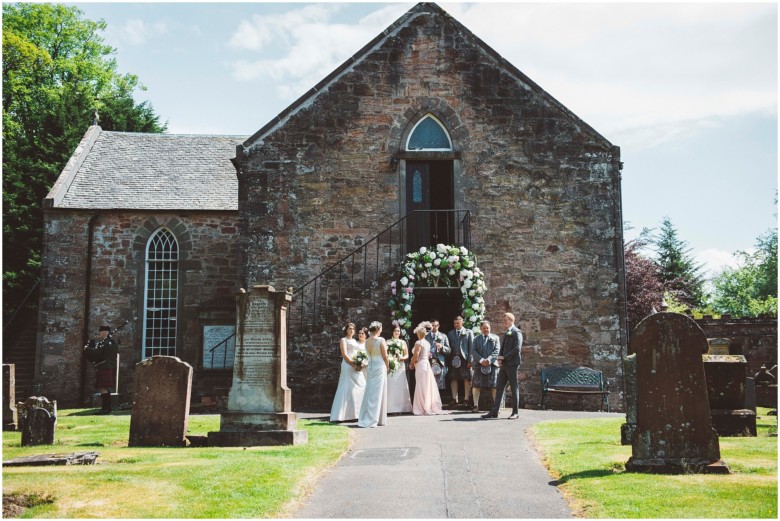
column 37, row 420
column 47, row 460
column 163, row 385
column 726, row 391
column 766, row 387
column 674, row 431
column 718, row 346
column 750, row 394
column 259, row 410
column 10, row 419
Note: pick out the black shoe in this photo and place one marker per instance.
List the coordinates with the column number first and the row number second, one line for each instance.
column 514, row 416
column 490, row 415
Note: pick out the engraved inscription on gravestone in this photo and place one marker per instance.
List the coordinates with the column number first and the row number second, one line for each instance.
column 222, row 339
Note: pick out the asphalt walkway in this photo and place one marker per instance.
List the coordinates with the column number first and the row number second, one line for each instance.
column 453, row 466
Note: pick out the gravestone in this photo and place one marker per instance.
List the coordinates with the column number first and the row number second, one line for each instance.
column 10, row 419
column 726, row 392
column 674, row 431
column 766, row 387
column 163, row 386
column 37, row 420
column 718, row 346
column 259, row 404
column 750, row 394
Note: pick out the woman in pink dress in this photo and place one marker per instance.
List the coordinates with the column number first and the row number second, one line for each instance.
column 426, row 393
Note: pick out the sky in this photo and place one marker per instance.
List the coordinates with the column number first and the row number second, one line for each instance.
column 688, row 91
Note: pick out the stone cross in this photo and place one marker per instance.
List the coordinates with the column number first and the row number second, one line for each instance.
column 674, row 431
column 10, row 418
column 163, row 385
column 259, row 404
column 37, row 420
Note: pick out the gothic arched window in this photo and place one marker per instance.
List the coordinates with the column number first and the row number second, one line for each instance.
column 429, row 134
column 161, row 294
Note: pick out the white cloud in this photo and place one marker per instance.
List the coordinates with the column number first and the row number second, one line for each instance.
column 137, row 32
column 715, row 260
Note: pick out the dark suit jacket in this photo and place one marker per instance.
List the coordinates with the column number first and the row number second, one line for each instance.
column 461, row 346
column 510, row 346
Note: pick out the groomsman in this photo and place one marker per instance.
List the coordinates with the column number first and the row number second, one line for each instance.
column 459, row 361
column 440, row 348
column 508, row 361
column 484, row 361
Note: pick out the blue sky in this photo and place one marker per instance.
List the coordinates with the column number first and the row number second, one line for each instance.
column 687, row 90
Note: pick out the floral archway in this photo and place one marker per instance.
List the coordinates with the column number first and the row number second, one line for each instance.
column 440, row 266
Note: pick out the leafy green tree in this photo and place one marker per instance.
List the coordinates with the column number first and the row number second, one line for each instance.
column 57, row 71
column 678, row 271
column 750, row 289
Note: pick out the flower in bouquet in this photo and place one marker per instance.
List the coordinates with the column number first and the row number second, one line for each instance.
column 393, row 363
column 360, row 360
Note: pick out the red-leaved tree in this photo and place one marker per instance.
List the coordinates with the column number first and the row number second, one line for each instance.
column 644, row 289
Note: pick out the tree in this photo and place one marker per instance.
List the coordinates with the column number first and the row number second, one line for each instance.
column 750, row 289
column 57, row 72
column 644, row 289
column 677, row 270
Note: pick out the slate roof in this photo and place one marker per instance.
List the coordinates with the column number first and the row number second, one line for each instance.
column 125, row 170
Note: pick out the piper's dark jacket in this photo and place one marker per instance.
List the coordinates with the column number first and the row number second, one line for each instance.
column 103, row 354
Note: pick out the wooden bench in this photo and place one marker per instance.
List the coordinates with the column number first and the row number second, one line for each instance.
column 574, row 380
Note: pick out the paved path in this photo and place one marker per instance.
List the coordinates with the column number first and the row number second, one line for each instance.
column 453, row 466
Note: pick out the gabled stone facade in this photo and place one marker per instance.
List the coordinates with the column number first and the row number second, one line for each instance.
column 330, row 173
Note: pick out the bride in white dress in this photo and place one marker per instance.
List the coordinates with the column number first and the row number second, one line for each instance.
column 398, row 397
column 352, row 382
column 373, row 412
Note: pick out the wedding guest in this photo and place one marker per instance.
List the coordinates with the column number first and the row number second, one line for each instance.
column 373, row 411
column 398, row 396
column 508, row 362
column 440, row 348
column 484, row 360
column 426, row 394
column 352, row 380
column 459, row 361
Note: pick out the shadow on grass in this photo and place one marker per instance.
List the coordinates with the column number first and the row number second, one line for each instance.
column 585, row 474
column 96, row 412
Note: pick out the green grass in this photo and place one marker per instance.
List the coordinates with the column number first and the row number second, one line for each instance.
column 587, row 459
column 234, row 482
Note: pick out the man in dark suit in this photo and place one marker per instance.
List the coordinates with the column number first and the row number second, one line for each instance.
column 508, row 361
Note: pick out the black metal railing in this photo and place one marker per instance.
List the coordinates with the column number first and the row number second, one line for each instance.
column 212, row 352
column 319, row 300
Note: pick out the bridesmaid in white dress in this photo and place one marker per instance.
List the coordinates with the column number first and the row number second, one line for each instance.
column 427, row 399
column 398, row 397
column 352, row 382
column 373, row 412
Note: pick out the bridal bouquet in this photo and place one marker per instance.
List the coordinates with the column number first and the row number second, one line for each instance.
column 360, row 360
column 395, row 348
column 394, row 364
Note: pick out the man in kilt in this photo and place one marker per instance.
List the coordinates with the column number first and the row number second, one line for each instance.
column 102, row 353
column 484, row 360
column 459, row 361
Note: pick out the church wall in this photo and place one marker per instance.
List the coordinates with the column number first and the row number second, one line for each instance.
column 543, row 188
column 208, row 252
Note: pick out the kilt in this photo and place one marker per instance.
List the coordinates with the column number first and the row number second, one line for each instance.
column 105, row 378
column 481, row 380
column 458, row 373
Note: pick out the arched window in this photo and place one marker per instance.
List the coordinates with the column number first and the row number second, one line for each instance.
column 161, row 294
column 429, row 134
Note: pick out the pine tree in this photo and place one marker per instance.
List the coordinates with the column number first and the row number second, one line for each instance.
column 677, row 270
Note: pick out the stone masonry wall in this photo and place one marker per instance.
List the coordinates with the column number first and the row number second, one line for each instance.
column 755, row 338
column 543, row 188
column 208, row 252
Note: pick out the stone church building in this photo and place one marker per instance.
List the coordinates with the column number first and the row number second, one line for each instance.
column 426, row 135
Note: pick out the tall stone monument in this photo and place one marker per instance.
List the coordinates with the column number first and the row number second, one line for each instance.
column 259, row 410
column 674, row 431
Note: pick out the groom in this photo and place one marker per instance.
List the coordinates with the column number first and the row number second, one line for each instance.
column 508, row 361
